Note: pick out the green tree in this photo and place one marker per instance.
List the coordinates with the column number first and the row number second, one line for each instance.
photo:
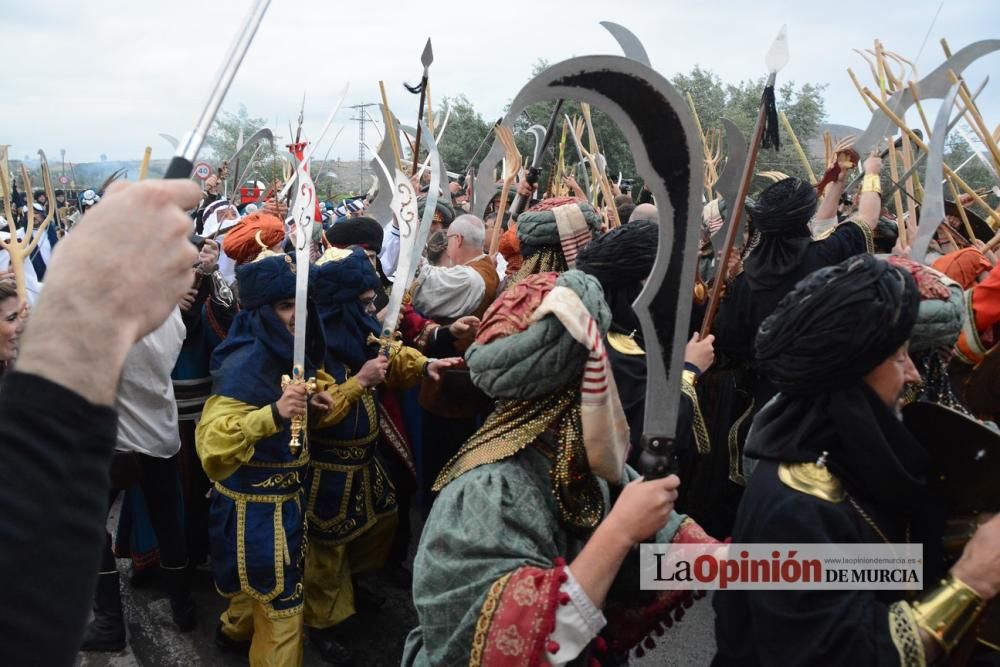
column 740, row 103
column 225, row 132
column 975, row 173
column 466, row 130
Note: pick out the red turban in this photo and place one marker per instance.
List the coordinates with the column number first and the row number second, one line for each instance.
column 241, row 241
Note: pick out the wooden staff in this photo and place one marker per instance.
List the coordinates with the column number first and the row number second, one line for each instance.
column 144, row 167
column 978, row 124
column 897, row 198
column 798, row 147
column 390, row 127
column 961, row 209
column 512, row 166
column 857, row 84
column 734, row 219
column 994, row 218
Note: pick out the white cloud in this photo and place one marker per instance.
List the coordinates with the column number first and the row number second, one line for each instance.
column 108, row 76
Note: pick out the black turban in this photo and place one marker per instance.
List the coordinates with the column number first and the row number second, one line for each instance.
column 621, row 259
column 836, row 326
column 364, row 232
column 787, row 205
column 781, row 214
column 621, row 256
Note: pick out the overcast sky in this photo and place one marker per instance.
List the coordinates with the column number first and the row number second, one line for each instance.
column 107, row 76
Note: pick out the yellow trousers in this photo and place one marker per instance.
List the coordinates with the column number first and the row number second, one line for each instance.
column 274, row 642
column 328, row 592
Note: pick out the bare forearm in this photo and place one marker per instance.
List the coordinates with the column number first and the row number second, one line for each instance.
column 74, row 345
column 597, row 565
column 869, row 208
column 831, row 198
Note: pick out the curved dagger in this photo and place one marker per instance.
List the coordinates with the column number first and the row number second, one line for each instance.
column 932, row 206
column 933, row 86
column 631, row 46
column 728, row 185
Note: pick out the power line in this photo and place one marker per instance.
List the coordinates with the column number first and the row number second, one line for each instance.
column 363, row 118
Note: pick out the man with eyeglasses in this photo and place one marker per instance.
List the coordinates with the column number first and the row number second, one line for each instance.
column 467, row 287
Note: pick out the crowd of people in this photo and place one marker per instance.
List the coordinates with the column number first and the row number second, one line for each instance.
column 499, row 431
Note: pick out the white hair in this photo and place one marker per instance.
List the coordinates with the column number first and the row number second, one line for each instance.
column 470, row 228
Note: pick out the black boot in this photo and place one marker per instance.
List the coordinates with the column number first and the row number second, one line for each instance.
column 182, row 607
column 331, row 650
column 229, row 645
column 106, row 633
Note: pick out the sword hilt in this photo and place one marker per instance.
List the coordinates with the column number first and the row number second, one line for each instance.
column 297, row 423
column 658, row 458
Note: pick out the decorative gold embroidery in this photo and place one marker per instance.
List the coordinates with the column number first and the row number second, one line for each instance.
column 294, row 595
column 509, row 641
column 812, row 479
column 300, row 462
column 701, row 437
column 524, row 593
column 253, row 497
column 905, row 635
column 735, row 464
column 625, row 344
column 486, row 619
column 869, row 237
column 279, row 480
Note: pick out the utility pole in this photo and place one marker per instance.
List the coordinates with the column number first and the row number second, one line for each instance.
column 363, row 119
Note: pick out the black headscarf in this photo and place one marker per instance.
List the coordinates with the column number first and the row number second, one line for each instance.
column 781, row 214
column 621, row 259
column 837, row 325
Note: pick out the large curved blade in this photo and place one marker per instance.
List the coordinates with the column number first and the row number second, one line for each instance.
column 631, row 46
column 728, row 185
column 663, row 138
column 932, row 207
column 933, row 86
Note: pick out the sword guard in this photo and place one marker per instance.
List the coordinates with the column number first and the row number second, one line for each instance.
column 658, row 457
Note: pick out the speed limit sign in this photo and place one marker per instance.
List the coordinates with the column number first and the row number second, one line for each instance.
column 203, row 170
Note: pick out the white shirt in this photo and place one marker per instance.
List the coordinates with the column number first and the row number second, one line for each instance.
column 389, row 257
column 448, row 292
column 147, row 411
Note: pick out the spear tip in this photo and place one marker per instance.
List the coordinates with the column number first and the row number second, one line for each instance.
column 427, row 57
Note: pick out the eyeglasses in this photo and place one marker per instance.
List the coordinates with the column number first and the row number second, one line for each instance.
column 368, row 304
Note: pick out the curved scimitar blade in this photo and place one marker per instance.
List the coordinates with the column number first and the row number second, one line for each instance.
column 932, row 206
column 631, row 46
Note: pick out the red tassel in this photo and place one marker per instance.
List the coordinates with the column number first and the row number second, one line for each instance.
column 559, row 561
column 649, row 643
column 668, row 622
column 639, row 653
column 600, row 644
column 679, row 614
column 564, row 599
column 563, row 577
column 552, row 647
column 659, row 630
column 687, row 603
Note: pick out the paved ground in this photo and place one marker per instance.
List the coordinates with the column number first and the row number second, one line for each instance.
column 154, row 642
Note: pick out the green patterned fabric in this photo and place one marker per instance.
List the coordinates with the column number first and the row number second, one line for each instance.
column 485, row 524
column 537, row 228
column 543, row 357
